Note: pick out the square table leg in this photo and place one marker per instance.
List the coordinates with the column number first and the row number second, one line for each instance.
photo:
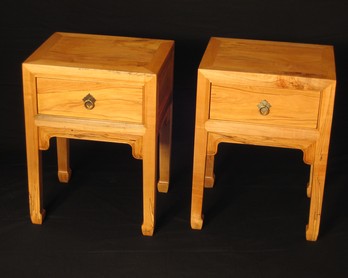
column 165, row 142
column 209, row 172
column 64, row 171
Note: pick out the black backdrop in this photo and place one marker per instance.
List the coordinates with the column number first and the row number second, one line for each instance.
column 255, row 216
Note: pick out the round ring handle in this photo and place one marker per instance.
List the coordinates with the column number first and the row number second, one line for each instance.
column 264, row 107
column 89, row 101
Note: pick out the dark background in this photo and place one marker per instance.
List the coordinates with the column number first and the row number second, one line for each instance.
column 255, row 216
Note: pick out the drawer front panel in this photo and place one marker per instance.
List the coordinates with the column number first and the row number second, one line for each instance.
column 113, row 101
column 294, row 108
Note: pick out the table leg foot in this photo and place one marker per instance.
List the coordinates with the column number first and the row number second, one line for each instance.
column 311, row 234
column 197, row 222
column 38, row 217
column 209, row 181
column 64, row 171
column 147, row 230
column 163, row 186
column 209, row 178
column 64, row 176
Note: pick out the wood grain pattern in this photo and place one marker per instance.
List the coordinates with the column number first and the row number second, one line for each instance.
column 99, row 52
column 131, row 80
column 298, row 80
column 118, row 102
column 288, row 107
column 270, row 58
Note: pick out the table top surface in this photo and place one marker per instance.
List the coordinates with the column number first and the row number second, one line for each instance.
column 278, row 58
column 115, row 53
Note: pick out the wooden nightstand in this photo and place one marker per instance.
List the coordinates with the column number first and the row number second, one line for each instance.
column 103, row 88
column 264, row 93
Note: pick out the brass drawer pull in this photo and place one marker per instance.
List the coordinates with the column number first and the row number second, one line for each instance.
column 89, row 101
column 264, row 107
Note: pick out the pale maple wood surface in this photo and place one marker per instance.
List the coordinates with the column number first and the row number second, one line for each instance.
column 298, row 81
column 131, row 81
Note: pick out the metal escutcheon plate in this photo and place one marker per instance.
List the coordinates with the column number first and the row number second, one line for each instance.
column 264, row 107
column 89, row 102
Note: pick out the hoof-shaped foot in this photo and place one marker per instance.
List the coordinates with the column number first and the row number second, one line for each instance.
column 209, row 182
column 311, row 235
column 147, row 230
column 38, row 217
column 163, row 186
column 197, row 222
column 64, row 176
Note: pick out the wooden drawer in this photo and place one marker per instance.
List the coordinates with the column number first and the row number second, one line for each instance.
column 296, row 108
column 113, row 100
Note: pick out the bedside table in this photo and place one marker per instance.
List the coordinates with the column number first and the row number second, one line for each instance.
column 102, row 88
column 269, row 94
